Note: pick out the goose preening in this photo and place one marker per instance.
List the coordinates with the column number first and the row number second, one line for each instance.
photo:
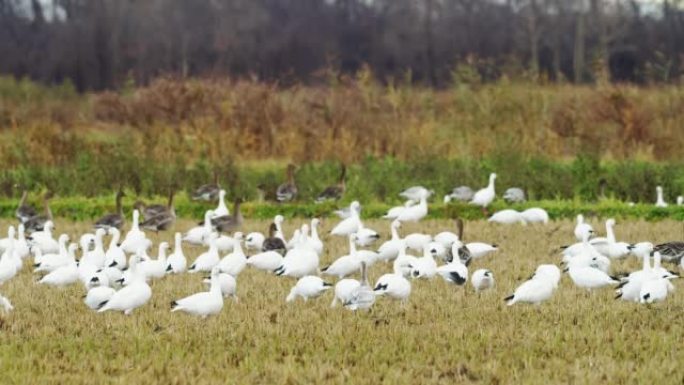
column 514, row 195
column 24, row 211
column 363, row 297
column 229, row 223
column 287, row 191
column 461, row 194
column 37, row 222
column 482, row 279
column 336, row 191
column 205, row 303
column 307, row 287
column 485, row 196
column 135, row 294
column 164, row 220
column 208, row 192
column 116, row 219
column 660, row 200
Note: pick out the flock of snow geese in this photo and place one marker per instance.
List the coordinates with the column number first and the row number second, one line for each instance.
column 117, row 276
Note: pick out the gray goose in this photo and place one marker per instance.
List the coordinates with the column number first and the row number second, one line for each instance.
column 229, row 223
column 154, row 209
column 25, row 211
column 463, row 252
column 288, row 190
column 334, row 192
column 671, row 251
column 514, row 195
column 208, row 192
column 162, row 221
column 37, row 222
column 272, row 242
column 116, row 219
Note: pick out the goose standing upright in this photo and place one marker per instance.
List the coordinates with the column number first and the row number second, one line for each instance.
column 24, row 211
column 196, row 235
column 334, row 192
column 486, row 195
column 236, row 261
column 135, row 238
column 164, row 220
column 582, row 228
column 287, row 191
column 115, row 219
column 389, row 250
column 207, row 192
column 349, row 225
column 417, row 212
column 363, row 297
column 221, row 209
column 660, row 201
column 177, row 260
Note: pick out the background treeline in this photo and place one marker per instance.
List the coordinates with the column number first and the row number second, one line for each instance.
column 104, row 44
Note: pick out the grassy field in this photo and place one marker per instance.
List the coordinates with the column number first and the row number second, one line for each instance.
column 445, row 335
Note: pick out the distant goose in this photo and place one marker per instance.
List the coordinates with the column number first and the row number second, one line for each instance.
column 417, row 212
column 680, row 200
column 229, row 223
column 221, row 210
column 24, row 211
column 345, row 212
column 37, row 222
column 608, row 246
column 486, row 195
column 482, row 279
column 660, row 201
column 363, row 297
column 203, row 304
column 314, row 240
column 344, row 290
column 155, row 209
column 535, row 215
column 415, row 193
column 116, row 219
column 130, row 297
column 462, row 194
column 287, row 191
column 334, row 192
column 162, row 221
column 507, row 217
column 208, row 192
column 514, row 195
column 394, row 212
column 308, row 287
column 349, row 225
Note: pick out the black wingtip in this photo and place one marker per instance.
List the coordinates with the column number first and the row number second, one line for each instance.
column 101, row 305
column 622, row 284
column 618, row 296
column 510, row 297
column 327, row 284
column 614, row 278
column 174, row 304
column 169, row 268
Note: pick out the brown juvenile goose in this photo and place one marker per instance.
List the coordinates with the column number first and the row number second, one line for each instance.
column 334, row 192
column 116, row 219
column 208, row 192
column 25, row 211
column 37, row 222
column 288, row 190
column 229, row 223
column 162, row 221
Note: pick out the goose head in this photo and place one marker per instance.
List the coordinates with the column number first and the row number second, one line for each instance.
column 641, row 249
column 492, row 178
column 63, row 239
column 315, row 222
column 354, row 207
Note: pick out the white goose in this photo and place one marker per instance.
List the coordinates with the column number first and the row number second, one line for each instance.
column 156, row 268
column 482, row 279
column 236, row 261
column 205, row 303
column 44, row 239
column 389, row 250
column 299, row 262
column 507, row 217
column 135, row 238
column 455, row 272
column 394, row 212
column 394, row 286
column 177, row 261
column 608, row 246
column 535, row 215
column 535, row 290
column 228, row 285
column 365, row 236
column 363, row 297
column 582, row 228
column 197, row 234
column 630, row 288
column 130, row 297
column 588, row 277
column 66, row 274
column 115, row 256
column 51, row 262
column 97, row 295
column 254, row 241
column 349, row 225
column 404, row 262
column 417, row 212
column 424, row 267
column 486, row 195
column 660, row 201
column 655, row 289
column 344, row 290
column 96, row 257
column 345, row 265
column 221, row 209
column 314, row 240
column 307, row 287
column 207, row 260
column 267, row 260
